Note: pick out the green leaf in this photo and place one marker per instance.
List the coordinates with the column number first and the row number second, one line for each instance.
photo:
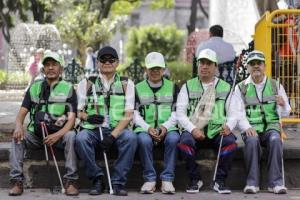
column 156, row 4
column 167, row 40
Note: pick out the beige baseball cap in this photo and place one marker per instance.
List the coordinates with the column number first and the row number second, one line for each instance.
column 208, row 54
column 54, row 55
column 155, row 59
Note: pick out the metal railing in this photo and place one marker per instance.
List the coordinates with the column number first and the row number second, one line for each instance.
column 277, row 35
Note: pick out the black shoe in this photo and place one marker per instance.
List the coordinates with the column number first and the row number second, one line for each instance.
column 119, row 190
column 220, row 187
column 97, row 187
column 194, row 186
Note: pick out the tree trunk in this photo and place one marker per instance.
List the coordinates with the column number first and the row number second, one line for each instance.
column 6, row 34
column 264, row 5
column 38, row 11
column 106, row 9
column 5, row 29
column 202, row 9
column 193, row 17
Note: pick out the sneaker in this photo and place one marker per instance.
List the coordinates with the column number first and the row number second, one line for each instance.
column 97, row 187
column 71, row 188
column 148, row 187
column 219, row 186
column 249, row 189
column 194, row 186
column 279, row 189
column 16, row 188
column 167, row 187
column 119, row 190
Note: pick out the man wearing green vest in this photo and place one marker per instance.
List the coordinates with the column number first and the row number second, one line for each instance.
column 263, row 100
column 220, row 122
column 57, row 100
column 155, row 122
column 106, row 103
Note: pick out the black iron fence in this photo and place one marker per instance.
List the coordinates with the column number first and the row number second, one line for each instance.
column 73, row 72
column 135, row 71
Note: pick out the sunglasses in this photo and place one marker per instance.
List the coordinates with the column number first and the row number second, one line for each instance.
column 255, row 62
column 110, row 60
column 251, row 55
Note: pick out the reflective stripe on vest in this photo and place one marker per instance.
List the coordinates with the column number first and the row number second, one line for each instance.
column 262, row 115
column 116, row 107
column 195, row 91
column 57, row 101
column 155, row 108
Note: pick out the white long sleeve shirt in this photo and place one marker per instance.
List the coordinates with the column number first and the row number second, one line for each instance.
column 139, row 121
column 243, row 123
column 183, row 103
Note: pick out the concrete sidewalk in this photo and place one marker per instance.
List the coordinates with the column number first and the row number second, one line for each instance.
column 44, row 194
column 11, row 95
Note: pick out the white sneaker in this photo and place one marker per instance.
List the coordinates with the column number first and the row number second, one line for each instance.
column 249, row 189
column 221, row 188
column 167, row 187
column 279, row 189
column 148, row 188
column 194, row 186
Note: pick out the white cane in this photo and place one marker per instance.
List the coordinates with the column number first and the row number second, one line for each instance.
column 221, row 141
column 46, row 153
column 101, row 138
column 218, row 158
column 45, row 147
column 44, row 129
column 282, row 140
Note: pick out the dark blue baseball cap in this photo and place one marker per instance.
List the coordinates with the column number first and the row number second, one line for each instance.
column 109, row 51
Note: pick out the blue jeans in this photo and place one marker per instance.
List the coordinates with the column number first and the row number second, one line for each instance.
column 146, row 155
column 86, row 143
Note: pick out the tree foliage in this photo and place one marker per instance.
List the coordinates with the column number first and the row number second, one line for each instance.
column 81, row 28
column 155, row 4
column 40, row 11
column 81, row 23
column 7, row 10
column 167, row 40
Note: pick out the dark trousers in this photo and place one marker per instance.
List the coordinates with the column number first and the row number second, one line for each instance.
column 226, row 154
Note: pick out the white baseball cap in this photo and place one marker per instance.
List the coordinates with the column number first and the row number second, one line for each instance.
column 255, row 55
column 209, row 55
column 155, row 59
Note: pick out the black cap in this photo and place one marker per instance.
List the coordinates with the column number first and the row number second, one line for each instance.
column 107, row 50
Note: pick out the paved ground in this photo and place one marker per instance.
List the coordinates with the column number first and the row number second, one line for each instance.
column 43, row 194
column 11, row 95
column 10, row 102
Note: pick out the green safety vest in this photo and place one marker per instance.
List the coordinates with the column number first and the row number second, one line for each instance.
column 262, row 115
column 195, row 91
column 155, row 108
column 56, row 105
column 113, row 101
